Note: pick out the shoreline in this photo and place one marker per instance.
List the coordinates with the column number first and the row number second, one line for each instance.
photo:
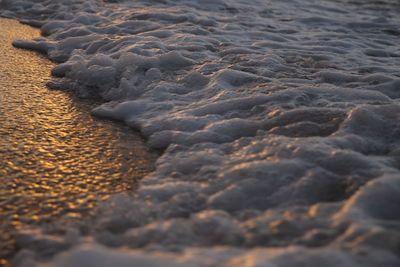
column 46, row 136
column 279, row 124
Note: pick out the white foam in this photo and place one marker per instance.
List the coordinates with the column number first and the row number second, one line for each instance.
column 278, row 119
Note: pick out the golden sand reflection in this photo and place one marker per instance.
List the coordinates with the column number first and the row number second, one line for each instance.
column 55, row 159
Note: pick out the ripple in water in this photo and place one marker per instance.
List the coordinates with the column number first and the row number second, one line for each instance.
column 55, row 159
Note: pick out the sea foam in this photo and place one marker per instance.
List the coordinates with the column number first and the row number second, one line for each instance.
column 278, row 121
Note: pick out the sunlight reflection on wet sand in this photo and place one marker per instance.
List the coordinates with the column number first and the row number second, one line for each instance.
column 55, row 159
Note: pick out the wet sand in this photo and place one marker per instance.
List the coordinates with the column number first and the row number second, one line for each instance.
column 55, row 159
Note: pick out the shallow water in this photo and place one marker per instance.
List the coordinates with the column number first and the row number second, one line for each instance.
column 55, row 159
column 279, row 121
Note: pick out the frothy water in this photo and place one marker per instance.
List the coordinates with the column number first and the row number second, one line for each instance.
column 55, row 159
column 279, row 121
